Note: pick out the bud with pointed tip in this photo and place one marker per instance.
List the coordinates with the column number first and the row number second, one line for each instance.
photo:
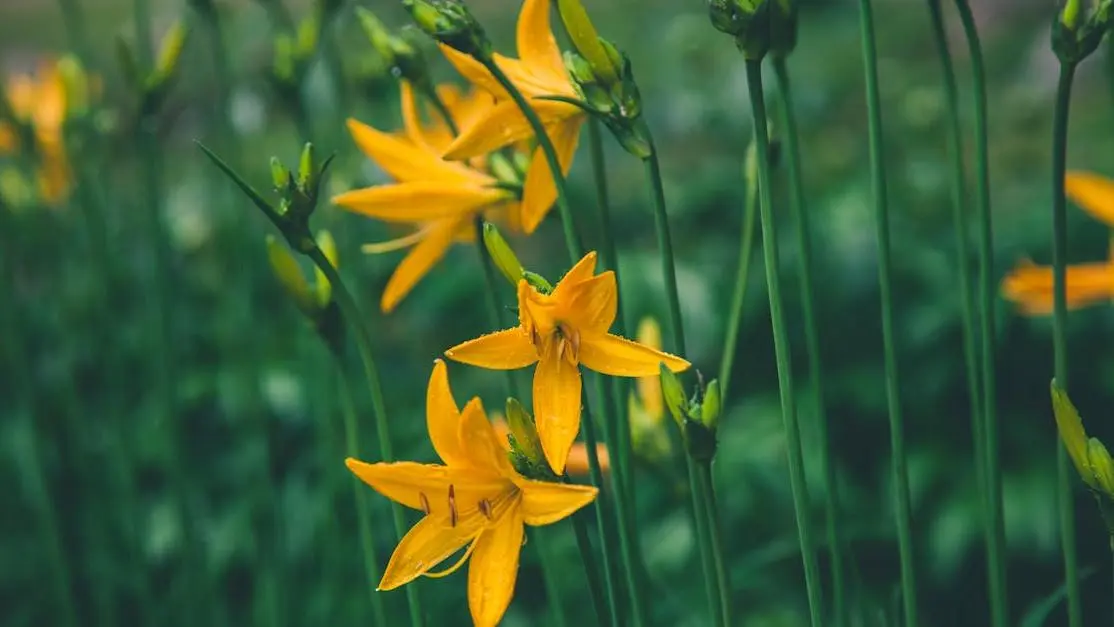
column 587, row 42
column 538, row 282
column 451, row 23
column 674, row 395
column 289, row 275
column 524, row 432
column 280, row 176
column 501, row 254
column 170, row 52
column 1078, row 30
column 710, row 407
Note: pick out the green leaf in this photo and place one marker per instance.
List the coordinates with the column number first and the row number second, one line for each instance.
column 263, row 205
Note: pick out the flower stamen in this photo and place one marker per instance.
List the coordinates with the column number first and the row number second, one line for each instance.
column 452, row 506
column 485, row 508
column 425, row 503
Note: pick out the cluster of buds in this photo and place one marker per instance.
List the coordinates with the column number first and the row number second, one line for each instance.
column 153, row 84
column 603, row 80
column 293, row 53
column 697, row 417
column 759, row 27
column 1091, row 458
column 1078, row 29
column 451, row 23
column 403, row 59
column 526, row 448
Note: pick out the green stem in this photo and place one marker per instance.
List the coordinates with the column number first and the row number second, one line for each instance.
column 739, row 294
column 548, row 563
column 363, row 515
column 781, row 345
column 902, row 508
column 812, row 335
column 996, row 547
column 715, row 536
column 74, row 17
column 591, row 568
column 572, row 238
column 222, row 72
column 665, row 249
column 355, row 319
column 1059, row 332
column 603, row 513
column 703, row 542
column 442, row 110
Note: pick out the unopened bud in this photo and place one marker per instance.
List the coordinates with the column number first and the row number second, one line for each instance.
column 524, row 432
column 170, row 52
column 502, row 254
column 1101, row 466
column 758, row 26
column 280, row 176
column 710, row 407
column 289, row 274
column 451, row 23
column 306, row 41
column 1078, row 29
column 538, row 282
column 307, row 168
column 283, row 66
column 324, row 289
column 674, row 395
column 587, row 42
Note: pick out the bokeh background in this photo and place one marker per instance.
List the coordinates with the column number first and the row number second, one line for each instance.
column 253, row 441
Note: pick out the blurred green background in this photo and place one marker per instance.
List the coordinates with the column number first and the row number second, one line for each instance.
column 253, row 440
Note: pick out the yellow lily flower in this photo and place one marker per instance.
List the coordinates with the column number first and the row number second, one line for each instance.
column 474, row 500
column 539, row 71
column 39, row 100
column 560, row 331
column 1031, row 287
column 438, row 198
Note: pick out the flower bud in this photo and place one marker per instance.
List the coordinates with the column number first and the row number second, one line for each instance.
column 307, row 168
column 674, row 396
column 451, row 23
column 501, row 254
column 538, row 282
column 280, row 176
column 324, row 289
column 170, row 52
column 283, row 67
column 289, row 275
column 758, row 26
column 604, row 66
column 524, row 433
column 1078, row 30
column 1102, row 467
column 710, row 407
column 305, row 41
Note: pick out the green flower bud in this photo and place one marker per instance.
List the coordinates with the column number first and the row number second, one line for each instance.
column 307, row 168
column 1078, row 31
column 289, row 275
column 501, row 254
column 524, row 432
column 324, row 289
column 76, row 85
column 710, row 408
column 280, row 176
column 674, row 396
column 587, row 43
column 451, row 23
column 283, row 65
column 758, row 26
column 537, row 281
column 170, row 52
column 306, row 38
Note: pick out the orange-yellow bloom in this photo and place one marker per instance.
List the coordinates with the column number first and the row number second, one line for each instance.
column 474, row 500
column 561, row 331
column 538, row 71
column 438, row 198
column 39, row 100
column 1030, row 286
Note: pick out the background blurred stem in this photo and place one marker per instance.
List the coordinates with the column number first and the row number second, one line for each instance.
column 363, row 515
column 703, row 542
column 812, row 334
column 74, row 18
column 715, row 540
column 355, row 320
column 1059, row 332
column 591, row 568
column 902, row 509
column 222, row 72
column 739, row 294
column 781, row 344
column 665, row 248
column 996, row 537
column 548, row 563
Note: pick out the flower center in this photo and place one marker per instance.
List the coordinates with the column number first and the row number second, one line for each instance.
column 564, row 339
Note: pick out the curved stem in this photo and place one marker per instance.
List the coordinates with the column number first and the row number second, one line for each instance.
column 572, row 238
column 902, row 508
column 995, row 520
column 812, row 336
column 1059, row 332
column 781, row 345
column 351, row 312
column 739, row 294
column 363, row 516
column 665, row 250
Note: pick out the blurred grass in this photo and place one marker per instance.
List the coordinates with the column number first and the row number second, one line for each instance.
column 243, row 349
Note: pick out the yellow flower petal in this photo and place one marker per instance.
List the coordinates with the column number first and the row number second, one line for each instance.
column 536, row 46
column 649, row 388
column 412, row 118
column 494, row 568
column 404, row 160
column 592, row 305
column 480, row 443
column 419, row 201
column 1093, row 193
column 504, row 124
column 544, row 503
column 1030, row 286
column 474, row 71
column 508, row 349
column 443, row 417
column 556, row 405
column 417, row 264
column 539, row 191
column 425, row 487
column 620, row 357
column 427, row 544
column 580, row 272
column 1070, row 426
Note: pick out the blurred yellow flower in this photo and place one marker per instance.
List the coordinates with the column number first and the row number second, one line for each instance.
column 539, row 71
column 438, row 198
column 38, row 100
column 475, row 499
column 559, row 331
column 1031, row 287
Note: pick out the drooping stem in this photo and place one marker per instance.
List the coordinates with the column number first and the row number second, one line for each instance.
column 995, row 518
column 902, row 509
column 812, row 335
column 359, row 495
column 355, row 319
column 794, row 452
column 715, row 540
column 1059, row 332
column 739, row 294
column 572, row 238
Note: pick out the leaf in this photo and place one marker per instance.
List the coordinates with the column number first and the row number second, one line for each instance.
column 263, row 205
column 1039, row 612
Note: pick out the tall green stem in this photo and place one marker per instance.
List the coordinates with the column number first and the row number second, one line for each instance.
column 572, row 238
column 363, row 516
column 665, row 250
column 548, row 563
column 591, row 568
column 703, row 542
column 812, row 335
column 739, row 294
column 1059, row 331
column 902, row 508
column 355, row 319
column 995, row 521
column 715, row 538
column 781, row 345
